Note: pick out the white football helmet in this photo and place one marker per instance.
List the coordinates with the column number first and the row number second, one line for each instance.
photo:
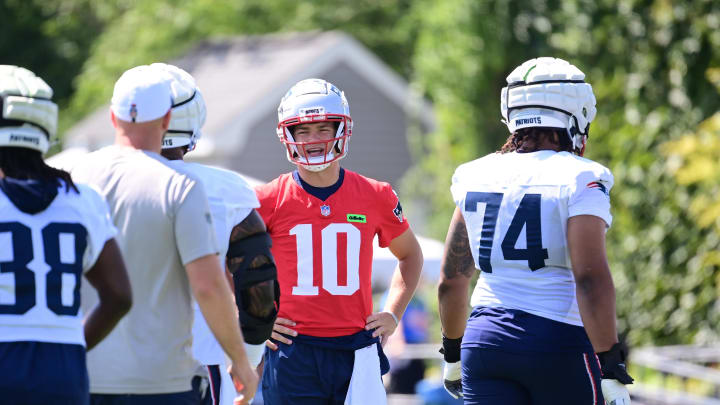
column 188, row 109
column 549, row 92
column 311, row 101
column 28, row 118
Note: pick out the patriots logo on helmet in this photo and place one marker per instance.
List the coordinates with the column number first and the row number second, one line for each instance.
column 598, row 185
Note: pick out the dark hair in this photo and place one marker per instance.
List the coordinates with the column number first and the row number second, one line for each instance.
column 527, row 140
column 28, row 164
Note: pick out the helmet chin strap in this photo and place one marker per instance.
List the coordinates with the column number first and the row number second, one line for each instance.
column 582, row 151
column 315, row 168
column 577, row 139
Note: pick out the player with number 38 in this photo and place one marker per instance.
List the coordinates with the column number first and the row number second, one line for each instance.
column 531, row 219
column 322, row 220
column 52, row 233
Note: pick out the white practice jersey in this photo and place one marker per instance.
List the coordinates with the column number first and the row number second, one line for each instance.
column 516, row 207
column 42, row 260
column 231, row 200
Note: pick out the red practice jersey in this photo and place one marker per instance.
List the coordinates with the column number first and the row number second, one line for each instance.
column 324, row 249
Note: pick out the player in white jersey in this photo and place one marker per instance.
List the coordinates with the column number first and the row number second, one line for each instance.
column 532, row 219
column 167, row 235
column 52, row 232
column 232, row 205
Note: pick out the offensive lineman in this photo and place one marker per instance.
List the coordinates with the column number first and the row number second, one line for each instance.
column 322, row 219
column 532, row 218
column 237, row 225
column 52, row 232
column 167, row 236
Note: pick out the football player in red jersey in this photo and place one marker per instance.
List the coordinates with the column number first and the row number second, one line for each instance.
column 322, row 220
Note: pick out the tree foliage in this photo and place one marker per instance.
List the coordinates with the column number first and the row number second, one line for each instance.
column 157, row 30
column 651, row 66
column 53, row 38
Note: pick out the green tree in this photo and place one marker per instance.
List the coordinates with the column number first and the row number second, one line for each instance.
column 52, row 38
column 158, row 30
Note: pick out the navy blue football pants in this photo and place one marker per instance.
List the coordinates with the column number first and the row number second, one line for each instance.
column 192, row 397
column 314, row 370
column 304, row 374
column 178, row 398
column 38, row 373
column 492, row 377
column 211, row 396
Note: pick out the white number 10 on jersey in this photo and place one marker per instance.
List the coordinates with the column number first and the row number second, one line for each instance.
column 303, row 235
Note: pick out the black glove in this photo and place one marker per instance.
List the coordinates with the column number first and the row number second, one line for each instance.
column 612, row 364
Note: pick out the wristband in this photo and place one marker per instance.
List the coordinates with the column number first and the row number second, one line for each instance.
column 451, row 349
column 397, row 321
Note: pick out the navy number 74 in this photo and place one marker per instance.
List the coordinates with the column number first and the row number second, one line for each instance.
column 527, row 215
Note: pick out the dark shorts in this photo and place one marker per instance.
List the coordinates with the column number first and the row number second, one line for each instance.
column 43, row 373
column 179, row 398
column 312, row 370
column 303, row 374
column 209, row 387
column 492, row 376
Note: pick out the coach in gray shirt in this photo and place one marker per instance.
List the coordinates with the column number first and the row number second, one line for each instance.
column 168, row 242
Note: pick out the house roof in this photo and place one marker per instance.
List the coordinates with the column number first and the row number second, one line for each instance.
column 244, row 78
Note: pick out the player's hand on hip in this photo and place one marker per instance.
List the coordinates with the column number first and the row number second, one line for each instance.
column 245, row 380
column 615, row 392
column 280, row 330
column 452, row 379
column 382, row 324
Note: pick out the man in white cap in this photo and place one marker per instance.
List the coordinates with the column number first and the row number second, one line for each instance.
column 166, row 235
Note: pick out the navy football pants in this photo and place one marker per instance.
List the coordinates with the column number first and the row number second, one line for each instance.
column 179, row 398
column 492, row 377
column 38, row 373
column 304, row 374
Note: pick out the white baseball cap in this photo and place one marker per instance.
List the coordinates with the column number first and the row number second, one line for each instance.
column 141, row 94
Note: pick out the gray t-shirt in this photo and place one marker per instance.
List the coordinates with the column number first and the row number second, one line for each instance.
column 163, row 223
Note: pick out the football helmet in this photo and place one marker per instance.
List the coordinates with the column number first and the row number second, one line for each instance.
column 188, row 109
column 312, row 101
column 549, row 92
column 28, row 118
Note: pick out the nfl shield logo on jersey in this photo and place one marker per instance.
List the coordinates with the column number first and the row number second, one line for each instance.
column 325, row 210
